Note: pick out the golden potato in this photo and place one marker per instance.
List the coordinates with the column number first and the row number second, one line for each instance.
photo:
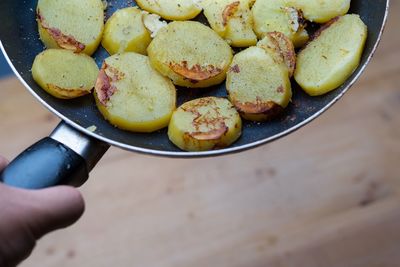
column 172, row 9
column 126, row 32
column 190, row 54
column 205, row 124
column 330, row 59
column 74, row 24
column 134, row 98
column 276, row 15
column 232, row 20
column 65, row 74
column 321, row 11
column 281, row 48
column 258, row 87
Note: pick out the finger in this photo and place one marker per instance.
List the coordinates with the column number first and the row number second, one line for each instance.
column 3, row 162
column 53, row 208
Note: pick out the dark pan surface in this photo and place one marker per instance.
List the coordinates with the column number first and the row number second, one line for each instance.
column 20, row 40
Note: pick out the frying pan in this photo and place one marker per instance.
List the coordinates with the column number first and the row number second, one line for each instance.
column 71, row 151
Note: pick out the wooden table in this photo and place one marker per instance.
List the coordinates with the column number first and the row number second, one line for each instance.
column 326, row 196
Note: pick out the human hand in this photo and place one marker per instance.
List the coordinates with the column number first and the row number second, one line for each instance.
column 25, row 216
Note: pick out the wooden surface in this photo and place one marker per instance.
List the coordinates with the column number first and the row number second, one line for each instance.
column 326, row 196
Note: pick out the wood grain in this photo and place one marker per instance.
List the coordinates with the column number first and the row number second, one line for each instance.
column 325, row 196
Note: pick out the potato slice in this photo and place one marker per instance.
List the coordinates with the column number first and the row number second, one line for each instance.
column 65, row 74
column 258, row 87
column 172, row 9
column 232, row 20
column 321, row 11
column 276, row 15
column 134, row 98
column 126, row 32
column 190, row 54
column 281, row 48
column 330, row 59
column 74, row 24
column 205, row 124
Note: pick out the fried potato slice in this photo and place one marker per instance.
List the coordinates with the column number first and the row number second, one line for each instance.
column 190, row 54
column 232, row 20
column 65, row 74
column 281, row 48
column 330, row 59
column 172, row 9
column 276, row 15
column 126, row 32
column 132, row 98
column 74, row 24
column 258, row 87
column 321, row 11
column 205, row 124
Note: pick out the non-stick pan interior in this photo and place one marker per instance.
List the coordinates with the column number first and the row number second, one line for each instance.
column 19, row 36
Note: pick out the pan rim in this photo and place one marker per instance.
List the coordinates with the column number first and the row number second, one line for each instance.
column 213, row 153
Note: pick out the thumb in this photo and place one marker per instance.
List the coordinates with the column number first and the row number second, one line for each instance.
column 53, row 208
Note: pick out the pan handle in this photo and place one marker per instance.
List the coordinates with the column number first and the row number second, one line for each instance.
column 64, row 158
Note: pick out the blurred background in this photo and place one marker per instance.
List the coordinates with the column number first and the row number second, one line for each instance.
column 327, row 195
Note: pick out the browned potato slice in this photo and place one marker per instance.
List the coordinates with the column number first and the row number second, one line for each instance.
column 74, row 24
column 321, row 11
column 329, row 60
column 205, row 124
column 65, row 74
column 172, row 9
column 232, row 20
column 134, row 98
column 281, row 48
column 258, row 87
column 126, row 32
column 190, row 54
column 277, row 15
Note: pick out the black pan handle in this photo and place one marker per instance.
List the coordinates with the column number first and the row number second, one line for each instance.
column 64, row 158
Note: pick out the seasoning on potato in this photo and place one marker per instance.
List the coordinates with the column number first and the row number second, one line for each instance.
column 190, row 54
column 321, row 11
column 133, row 96
column 281, row 48
column 330, row 59
column 277, row 15
column 258, row 86
column 232, row 20
column 65, row 74
column 172, row 9
column 126, row 32
column 205, row 124
column 74, row 24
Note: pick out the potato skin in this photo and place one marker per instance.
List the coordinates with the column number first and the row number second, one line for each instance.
column 125, row 32
column 190, row 54
column 257, row 85
column 205, row 124
column 72, row 25
column 171, row 9
column 132, row 98
column 64, row 74
column 330, row 59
